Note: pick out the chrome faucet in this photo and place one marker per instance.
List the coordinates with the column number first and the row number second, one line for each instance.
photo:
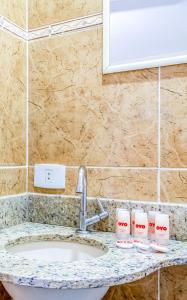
column 82, row 189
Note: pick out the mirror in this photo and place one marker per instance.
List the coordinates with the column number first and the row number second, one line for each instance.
column 144, row 34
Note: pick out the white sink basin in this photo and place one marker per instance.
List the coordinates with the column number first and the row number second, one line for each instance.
column 51, row 251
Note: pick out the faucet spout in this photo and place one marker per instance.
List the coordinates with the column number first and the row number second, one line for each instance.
column 82, row 180
column 82, row 189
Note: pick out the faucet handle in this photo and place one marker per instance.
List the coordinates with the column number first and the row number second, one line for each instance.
column 104, row 214
column 100, row 205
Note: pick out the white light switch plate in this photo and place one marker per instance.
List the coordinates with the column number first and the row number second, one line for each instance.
column 50, row 176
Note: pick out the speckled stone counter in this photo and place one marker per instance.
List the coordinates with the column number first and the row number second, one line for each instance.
column 115, row 267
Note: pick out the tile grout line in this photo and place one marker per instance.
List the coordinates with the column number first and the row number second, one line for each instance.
column 158, row 138
column 27, row 100
column 158, row 161
column 158, row 284
column 106, row 167
column 103, row 168
column 124, row 168
column 12, row 167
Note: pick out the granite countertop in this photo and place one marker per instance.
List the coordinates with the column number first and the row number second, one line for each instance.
column 117, row 266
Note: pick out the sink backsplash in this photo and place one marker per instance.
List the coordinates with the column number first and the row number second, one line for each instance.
column 60, row 210
column 63, row 210
column 13, row 210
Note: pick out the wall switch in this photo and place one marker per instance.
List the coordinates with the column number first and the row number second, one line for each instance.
column 49, row 176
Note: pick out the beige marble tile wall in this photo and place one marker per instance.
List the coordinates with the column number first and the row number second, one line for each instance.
column 14, row 10
column 12, row 103
column 108, row 122
column 94, row 129
column 56, row 11
column 12, row 106
column 172, row 287
column 129, row 129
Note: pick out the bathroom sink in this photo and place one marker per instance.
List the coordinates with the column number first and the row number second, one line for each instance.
column 52, row 251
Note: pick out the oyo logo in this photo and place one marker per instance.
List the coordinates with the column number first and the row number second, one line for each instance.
column 140, row 226
column 151, row 224
column 162, row 228
column 124, row 224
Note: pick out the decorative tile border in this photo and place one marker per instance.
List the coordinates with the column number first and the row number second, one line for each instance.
column 51, row 30
column 67, row 26
column 6, row 24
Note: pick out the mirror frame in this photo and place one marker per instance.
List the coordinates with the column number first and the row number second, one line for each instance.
column 149, row 63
